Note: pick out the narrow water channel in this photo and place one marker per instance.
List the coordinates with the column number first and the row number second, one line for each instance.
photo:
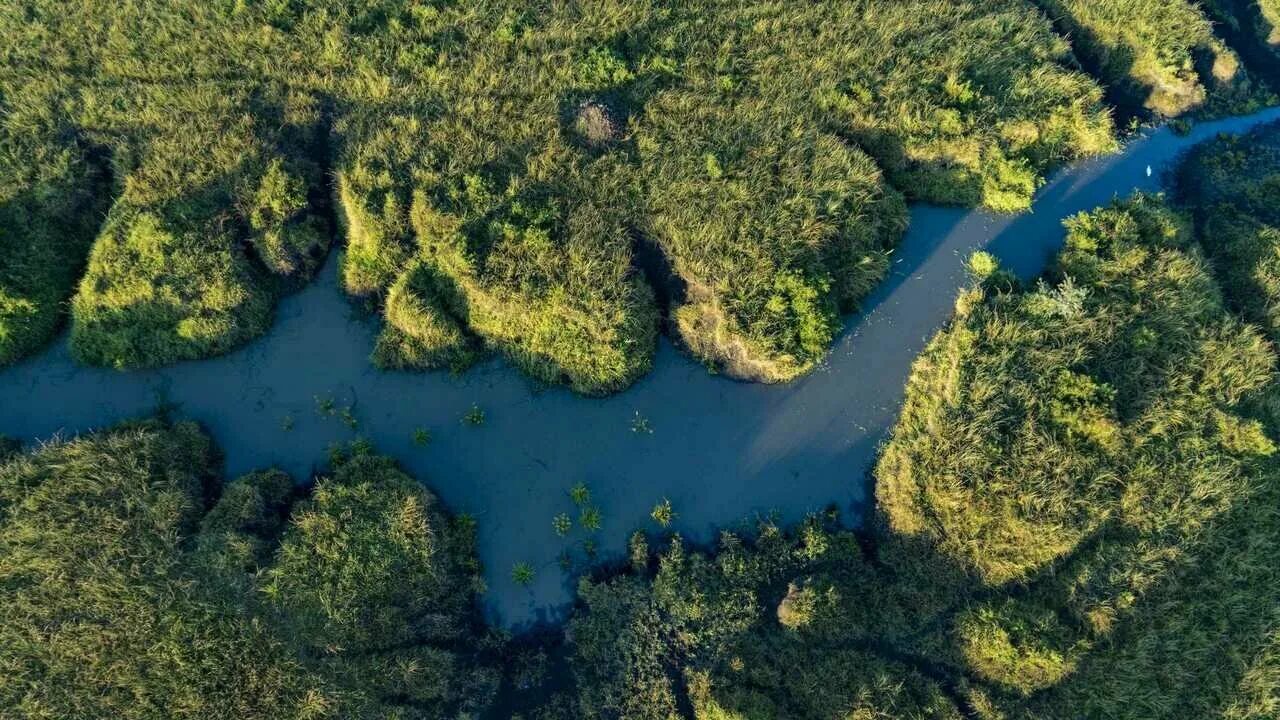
column 723, row 452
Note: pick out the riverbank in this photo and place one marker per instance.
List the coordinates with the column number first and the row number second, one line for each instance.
column 720, row 451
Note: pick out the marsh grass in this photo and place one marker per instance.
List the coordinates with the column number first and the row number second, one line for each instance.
column 1160, row 56
column 179, row 596
column 1075, row 517
column 494, row 165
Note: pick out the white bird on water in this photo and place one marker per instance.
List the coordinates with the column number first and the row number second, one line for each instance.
column 1148, row 171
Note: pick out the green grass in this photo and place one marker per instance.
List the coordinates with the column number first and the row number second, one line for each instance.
column 49, row 209
column 1160, row 56
column 134, row 586
column 1076, row 516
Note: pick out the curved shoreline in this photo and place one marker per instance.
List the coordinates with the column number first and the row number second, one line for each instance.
column 721, row 451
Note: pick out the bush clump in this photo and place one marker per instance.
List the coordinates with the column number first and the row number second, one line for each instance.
column 1234, row 185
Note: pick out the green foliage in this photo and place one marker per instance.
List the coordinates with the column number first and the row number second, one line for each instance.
column 474, row 417
column 562, row 524
column 522, row 574
column 496, row 167
column 421, row 437
column 1161, row 56
column 641, row 425
column 1233, row 184
column 590, row 519
column 1076, row 517
column 124, row 594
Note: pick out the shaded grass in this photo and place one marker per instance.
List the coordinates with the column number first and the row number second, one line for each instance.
column 1160, row 56
column 1234, row 186
column 132, row 586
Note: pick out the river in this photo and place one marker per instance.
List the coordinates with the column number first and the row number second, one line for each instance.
column 724, row 453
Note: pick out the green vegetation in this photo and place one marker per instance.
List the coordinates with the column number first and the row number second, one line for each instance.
column 507, row 178
column 641, row 425
column 474, row 417
column 1254, row 25
column 1158, row 55
column 132, row 586
column 1076, row 517
column 1234, row 185
column 663, row 513
column 523, row 574
column 562, row 524
column 48, row 210
column 421, row 437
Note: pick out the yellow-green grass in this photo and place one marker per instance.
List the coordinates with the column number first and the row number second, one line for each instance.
column 212, row 221
column 1161, row 56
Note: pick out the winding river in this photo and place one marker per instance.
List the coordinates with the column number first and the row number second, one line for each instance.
column 723, row 452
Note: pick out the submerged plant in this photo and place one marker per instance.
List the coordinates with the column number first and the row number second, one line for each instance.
column 421, row 437
column 562, row 524
column 474, row 417
column 641, row 425
column 590, row 518
column 523, row 574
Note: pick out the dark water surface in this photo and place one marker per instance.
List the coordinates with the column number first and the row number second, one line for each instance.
column 722, row 452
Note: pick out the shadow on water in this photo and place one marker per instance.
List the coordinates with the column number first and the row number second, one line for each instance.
column 721, row 451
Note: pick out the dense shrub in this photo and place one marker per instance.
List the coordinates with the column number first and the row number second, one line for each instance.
column 49, row 207
column 124, row 593
column 1159, row 55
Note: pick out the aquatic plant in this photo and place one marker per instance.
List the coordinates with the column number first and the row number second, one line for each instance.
column 663, row 514
column 562, row 524
column 474, row 417
column 421, row 437
column 590, row 519
column 580, row 494
column 523, row 574
column 641, row 424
